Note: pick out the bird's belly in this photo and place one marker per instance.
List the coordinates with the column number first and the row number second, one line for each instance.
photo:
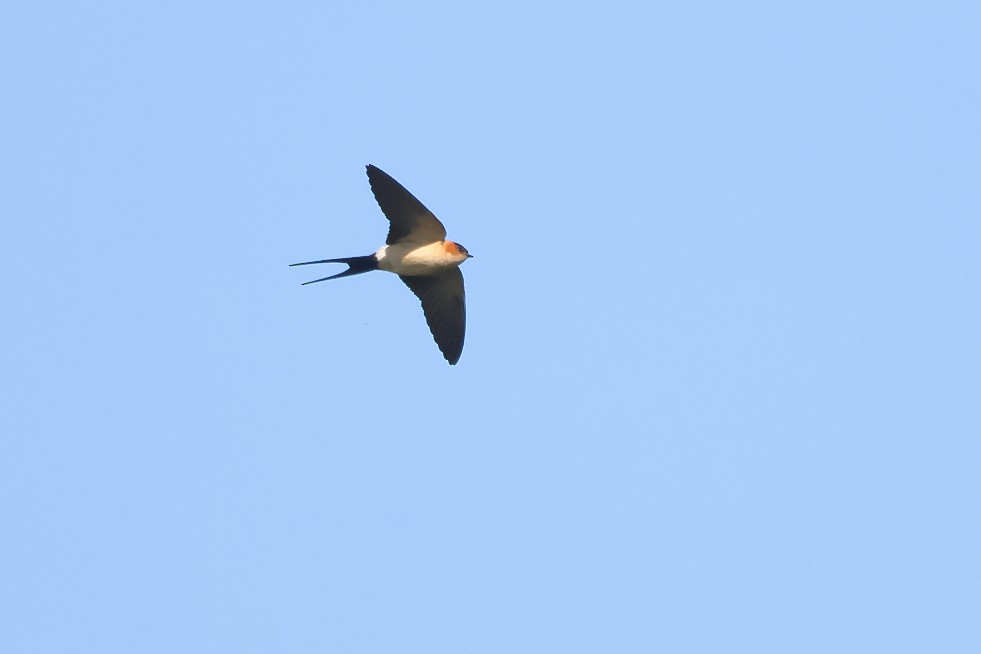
column 414, row 260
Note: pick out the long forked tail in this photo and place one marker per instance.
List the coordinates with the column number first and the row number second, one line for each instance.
column 356, row 266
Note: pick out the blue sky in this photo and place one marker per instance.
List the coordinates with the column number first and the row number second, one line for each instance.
column 721, row 385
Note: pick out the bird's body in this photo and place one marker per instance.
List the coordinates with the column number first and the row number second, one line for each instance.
column 417, row 251
column 413, row 259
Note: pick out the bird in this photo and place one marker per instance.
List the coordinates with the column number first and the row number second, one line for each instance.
column 417, row 251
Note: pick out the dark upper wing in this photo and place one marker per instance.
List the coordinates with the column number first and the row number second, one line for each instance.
column 410, row 219
column 444, row 303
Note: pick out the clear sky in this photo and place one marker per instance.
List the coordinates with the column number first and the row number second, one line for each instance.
column 721, row 390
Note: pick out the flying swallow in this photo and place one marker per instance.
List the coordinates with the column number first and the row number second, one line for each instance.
column 417, row 251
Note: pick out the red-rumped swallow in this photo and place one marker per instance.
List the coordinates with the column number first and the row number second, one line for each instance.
column 417, row 251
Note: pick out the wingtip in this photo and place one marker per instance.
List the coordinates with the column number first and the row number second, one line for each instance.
column 452, row 355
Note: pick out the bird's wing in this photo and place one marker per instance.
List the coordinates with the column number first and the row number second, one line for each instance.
column 444, row 303
column 409, row 219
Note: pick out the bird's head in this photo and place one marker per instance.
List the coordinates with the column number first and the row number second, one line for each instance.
column 458, row 250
